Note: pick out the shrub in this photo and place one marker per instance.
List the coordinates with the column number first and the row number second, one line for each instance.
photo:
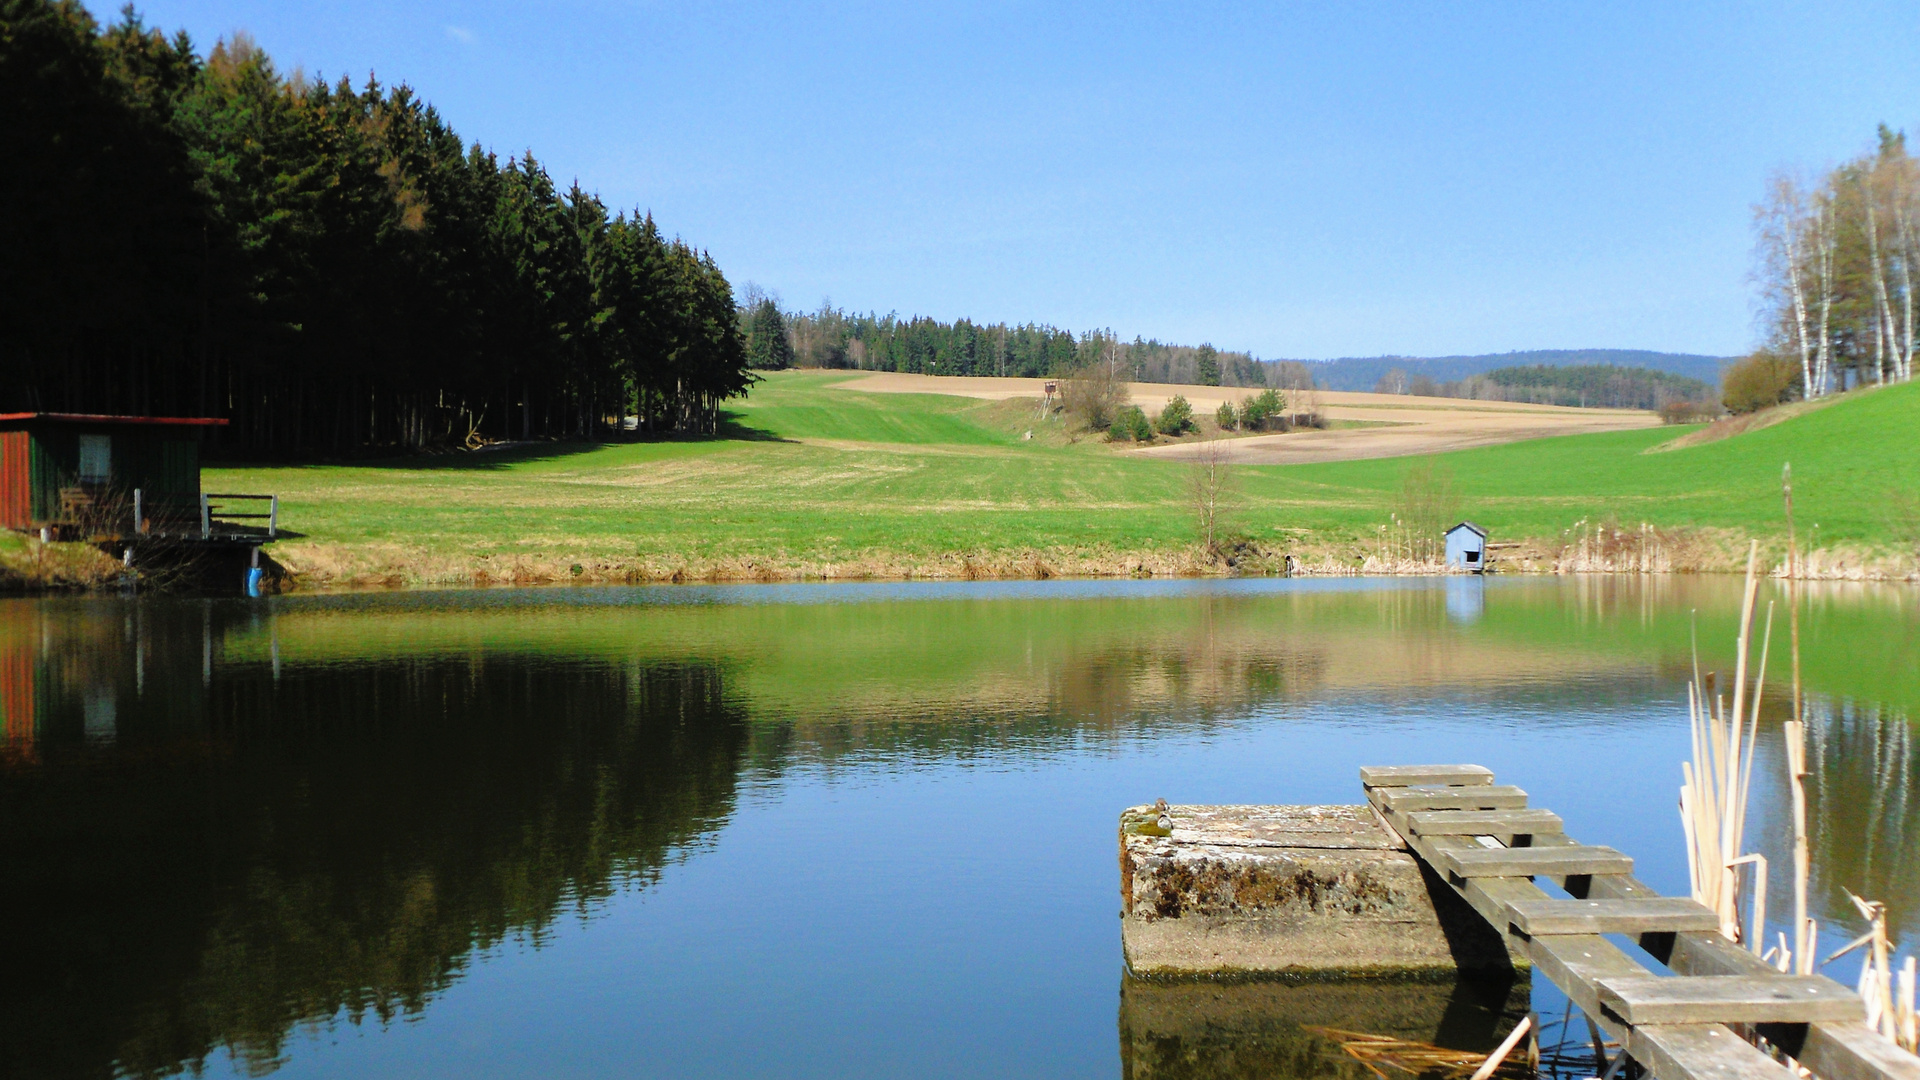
column 1683, row 411
column 1760, row 381
column 1176, row 418
column 1226, row 417
column 1264, row 410
column 1093, row 395
column 1130, row 423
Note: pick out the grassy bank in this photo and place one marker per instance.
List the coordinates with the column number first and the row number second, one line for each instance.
column 810, row 479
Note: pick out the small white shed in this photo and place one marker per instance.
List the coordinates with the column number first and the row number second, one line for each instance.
column 1467, row 547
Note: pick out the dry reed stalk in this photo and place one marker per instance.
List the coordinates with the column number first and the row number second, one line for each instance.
column 1377, row 1053
column 1805, row 930
column 1716, row 782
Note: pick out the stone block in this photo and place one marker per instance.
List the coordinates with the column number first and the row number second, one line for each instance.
column 1288, row 890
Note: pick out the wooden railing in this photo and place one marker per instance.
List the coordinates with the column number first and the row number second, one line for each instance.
column 210, row 511
column 169, row 517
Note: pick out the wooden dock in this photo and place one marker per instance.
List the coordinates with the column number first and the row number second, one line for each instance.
column 1693, row 1024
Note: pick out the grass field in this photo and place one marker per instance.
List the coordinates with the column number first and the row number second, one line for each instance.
column 811, row 479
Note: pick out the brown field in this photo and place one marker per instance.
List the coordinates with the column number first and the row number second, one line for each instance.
column 1384, row 425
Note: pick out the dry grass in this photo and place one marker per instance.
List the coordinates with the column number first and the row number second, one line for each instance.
column 28, row 565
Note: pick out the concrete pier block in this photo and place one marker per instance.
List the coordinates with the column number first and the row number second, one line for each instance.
column 1278, row 890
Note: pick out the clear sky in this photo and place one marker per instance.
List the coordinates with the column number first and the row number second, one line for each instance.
column 1308, row 180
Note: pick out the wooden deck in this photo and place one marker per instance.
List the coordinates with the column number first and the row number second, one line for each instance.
column 1693, row 1024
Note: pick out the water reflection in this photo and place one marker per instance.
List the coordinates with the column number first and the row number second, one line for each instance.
column 245, row 853
column 1862, row 818
column 224, row 819
column 1207, row 1030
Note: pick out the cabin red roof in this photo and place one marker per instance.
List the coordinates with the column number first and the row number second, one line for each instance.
column 101, row 418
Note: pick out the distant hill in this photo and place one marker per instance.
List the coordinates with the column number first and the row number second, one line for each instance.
column 1362, row 372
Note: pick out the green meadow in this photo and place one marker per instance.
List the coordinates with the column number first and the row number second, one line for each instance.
column 808, row 478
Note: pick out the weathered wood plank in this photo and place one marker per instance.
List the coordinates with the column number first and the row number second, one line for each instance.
column 1729, row 999
column 1576, row 963
column 1528, row 861
column 1701, row 1052
column 1656, row 914
column 1424, row 775
column 1485, row 822
column 1481, row 797
column 1834, row 1051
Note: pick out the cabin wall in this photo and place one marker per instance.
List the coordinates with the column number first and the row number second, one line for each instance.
column 16, row 480
column 40, row 460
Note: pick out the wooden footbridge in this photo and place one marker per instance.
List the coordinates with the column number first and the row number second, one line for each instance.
column 1698, row 1022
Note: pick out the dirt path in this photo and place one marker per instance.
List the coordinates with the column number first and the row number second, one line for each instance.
column 1398, row 424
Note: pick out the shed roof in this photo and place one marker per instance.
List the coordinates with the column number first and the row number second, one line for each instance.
column 102, row 418
column 1471, row 527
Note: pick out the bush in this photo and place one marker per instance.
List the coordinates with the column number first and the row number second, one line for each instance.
column 1682, row 411
column 1176, row 418
column 1226, row 417
column 1267, row 409
column 1130, row 423
column 1760, row 381
column 1093, row 395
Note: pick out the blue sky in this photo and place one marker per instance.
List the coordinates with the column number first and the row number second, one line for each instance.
column 1302, row 181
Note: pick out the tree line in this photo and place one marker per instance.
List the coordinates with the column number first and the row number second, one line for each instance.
column 1836, row 263
column 1604, row 386
column 330, row 267
column 832, row 338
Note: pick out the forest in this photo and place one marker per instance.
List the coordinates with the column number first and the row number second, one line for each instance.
column 328, row 266
column 1601, row 386
column 1836, row 266
column 832, row 338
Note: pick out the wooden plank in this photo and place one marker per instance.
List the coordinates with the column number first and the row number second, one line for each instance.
column 1528, row 861
column 1424, row 775
column 1701, row 1052
column 1484, row 822
column 1728, row 999
column 1484, row 797
column 1576, row 963
column 1653, row 915
column 1834, row 1051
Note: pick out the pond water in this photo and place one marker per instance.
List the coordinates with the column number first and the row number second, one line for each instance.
column 822, row 830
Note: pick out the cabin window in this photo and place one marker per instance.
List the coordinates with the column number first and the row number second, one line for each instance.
column 1473, row 556
column 96, row 458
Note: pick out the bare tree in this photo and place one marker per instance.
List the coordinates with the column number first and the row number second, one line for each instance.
column 1782, row 224
column 1210, row 484
column 1093, row 395
column 1427, row 506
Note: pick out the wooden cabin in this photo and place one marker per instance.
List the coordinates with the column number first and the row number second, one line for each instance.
column 77, row 473
column 1467, row 547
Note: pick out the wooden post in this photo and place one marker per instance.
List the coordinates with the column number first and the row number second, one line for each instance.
column 206, row 517
column 139, row 517
column 273, row 517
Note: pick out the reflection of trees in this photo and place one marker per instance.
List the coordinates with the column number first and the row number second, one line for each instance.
column 340, row 839
column 1863, row 819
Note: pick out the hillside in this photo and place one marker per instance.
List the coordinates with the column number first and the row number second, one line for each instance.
column 811, row 479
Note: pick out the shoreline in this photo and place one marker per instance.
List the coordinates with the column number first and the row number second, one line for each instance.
column 77, row 568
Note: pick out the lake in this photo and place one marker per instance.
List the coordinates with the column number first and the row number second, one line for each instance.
column 808, row 830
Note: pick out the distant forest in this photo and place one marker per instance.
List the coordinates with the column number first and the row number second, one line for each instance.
column 1604, row 386
column 1364, row 372
column 832, row 338
column 328, row 266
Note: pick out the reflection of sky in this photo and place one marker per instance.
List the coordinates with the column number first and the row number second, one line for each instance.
column 884, row 917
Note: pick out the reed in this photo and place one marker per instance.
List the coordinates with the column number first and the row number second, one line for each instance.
column 1889, row 996
column 1716, row 781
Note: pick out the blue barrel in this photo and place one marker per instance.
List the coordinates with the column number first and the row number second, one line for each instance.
column 255, row 575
